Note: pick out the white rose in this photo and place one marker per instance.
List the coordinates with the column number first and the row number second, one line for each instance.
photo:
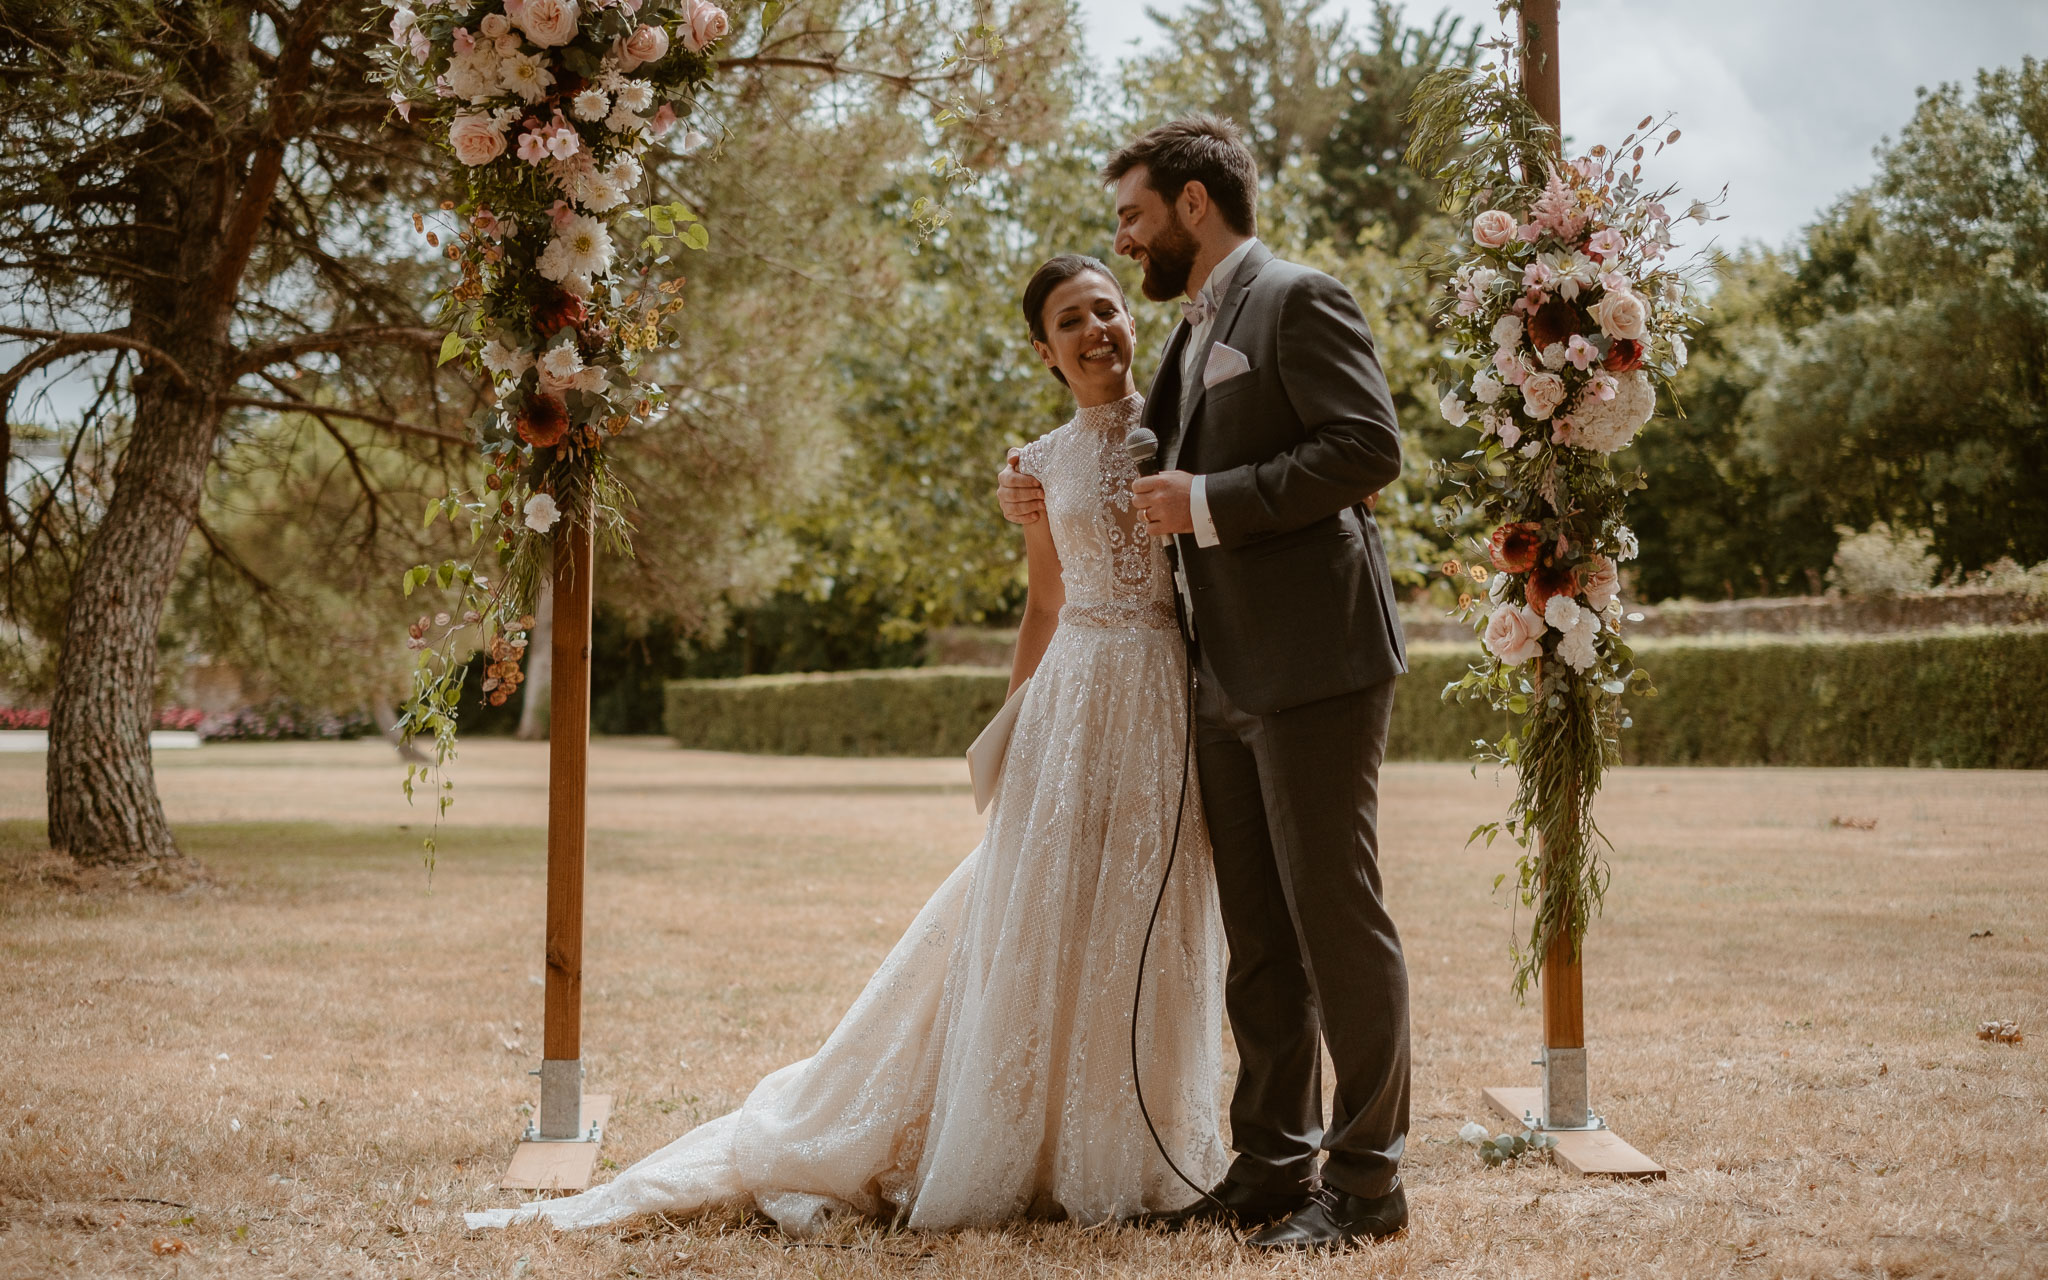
column 1486, row 388
column 495, row 25
column 1514, row 633
column 474, row 75
column 1507, row 331
column 1562, row 612
column 1575, row 646
column 1622, row 314
column 476, row 140
column 541, row 513
column 1453, row 410
column 1541, row 394
column 548, row 23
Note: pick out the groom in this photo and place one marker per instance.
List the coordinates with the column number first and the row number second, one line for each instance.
column 1276, row 430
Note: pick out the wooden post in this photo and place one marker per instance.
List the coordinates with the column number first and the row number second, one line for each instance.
column 1562, row 1105
column 561, row 1080
column 561, row 1150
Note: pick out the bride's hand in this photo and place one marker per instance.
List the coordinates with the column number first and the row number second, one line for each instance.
column 1023, row 498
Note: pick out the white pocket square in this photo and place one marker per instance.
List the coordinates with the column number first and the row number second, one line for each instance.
column 1224, row 362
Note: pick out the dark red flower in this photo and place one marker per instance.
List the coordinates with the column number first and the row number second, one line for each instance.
column 1551, row 580
column 563, row 311
column 1515, row 548
column 1554, row 321
column 543, row 421
column 1623, row 356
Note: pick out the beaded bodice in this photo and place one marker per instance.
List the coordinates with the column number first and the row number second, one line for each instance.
column 1115, row 574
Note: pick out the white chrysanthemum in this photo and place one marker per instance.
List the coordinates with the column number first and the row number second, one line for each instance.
column 581, row 248
column 560, row 363
column 623, row 121
column 591, row 104
column 636, row 95
column 624, row 173
column 1606, row 426
column 501, row 359
column 526, row 75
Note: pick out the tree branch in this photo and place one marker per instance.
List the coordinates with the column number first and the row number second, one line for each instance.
column 60, row 344
column 260, row 358
column 324, row 411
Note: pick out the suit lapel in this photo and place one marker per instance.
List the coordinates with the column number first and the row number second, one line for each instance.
column 1226, row 320
column 1162, row 406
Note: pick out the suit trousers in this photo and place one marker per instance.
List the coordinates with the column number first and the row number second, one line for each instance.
column 1292, row 801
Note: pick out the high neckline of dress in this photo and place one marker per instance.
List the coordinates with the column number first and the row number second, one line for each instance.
column 1123, row 414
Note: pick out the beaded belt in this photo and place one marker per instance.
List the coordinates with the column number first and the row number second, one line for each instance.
column 1121, row 615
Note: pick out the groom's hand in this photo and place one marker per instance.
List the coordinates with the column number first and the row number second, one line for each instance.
column 1023, row 498
column 1164, row 503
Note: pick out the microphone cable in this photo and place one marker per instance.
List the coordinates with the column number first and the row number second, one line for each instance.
column 1138, row 991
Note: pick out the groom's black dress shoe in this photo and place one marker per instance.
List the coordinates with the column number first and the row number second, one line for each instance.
column 1335, row 1219
column 1232, row 1204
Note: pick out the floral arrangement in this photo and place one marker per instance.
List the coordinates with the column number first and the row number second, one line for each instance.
column 1562, row 315
column 547, row 108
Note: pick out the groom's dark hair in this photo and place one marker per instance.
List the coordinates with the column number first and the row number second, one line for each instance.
column 1198, row 148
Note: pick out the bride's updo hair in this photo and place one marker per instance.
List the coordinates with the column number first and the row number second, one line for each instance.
column 1052, row 275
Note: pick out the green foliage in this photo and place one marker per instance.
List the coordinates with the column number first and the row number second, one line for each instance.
column 1948, row 700
column 932, row 712
column 1893, row 366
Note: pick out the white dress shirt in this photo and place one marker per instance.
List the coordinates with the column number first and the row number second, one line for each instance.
column 1214, row 290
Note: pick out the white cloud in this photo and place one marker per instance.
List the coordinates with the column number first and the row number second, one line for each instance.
column 1782, row 100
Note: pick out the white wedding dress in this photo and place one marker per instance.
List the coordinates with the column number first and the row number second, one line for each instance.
column 985, row 1073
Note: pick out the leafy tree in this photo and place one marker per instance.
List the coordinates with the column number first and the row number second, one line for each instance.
column 209, row 202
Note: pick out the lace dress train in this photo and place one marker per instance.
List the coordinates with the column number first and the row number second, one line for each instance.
column 984, row 1073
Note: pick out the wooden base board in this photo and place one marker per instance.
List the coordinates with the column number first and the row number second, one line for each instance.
column 560, row 1166
column 1586, row 1152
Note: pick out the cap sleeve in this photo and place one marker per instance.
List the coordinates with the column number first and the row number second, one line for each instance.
column 1033, row 457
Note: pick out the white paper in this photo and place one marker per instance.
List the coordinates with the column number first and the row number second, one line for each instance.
column 1224, row 362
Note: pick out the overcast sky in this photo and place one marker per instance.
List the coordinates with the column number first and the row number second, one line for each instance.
column 1782, row 100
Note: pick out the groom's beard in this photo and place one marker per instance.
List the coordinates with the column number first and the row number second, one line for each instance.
column 1169, row 260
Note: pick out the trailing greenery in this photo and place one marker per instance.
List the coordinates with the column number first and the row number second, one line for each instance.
column 1934, row 700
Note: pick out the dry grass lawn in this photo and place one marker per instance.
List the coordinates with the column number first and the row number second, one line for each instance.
column 312, row 1068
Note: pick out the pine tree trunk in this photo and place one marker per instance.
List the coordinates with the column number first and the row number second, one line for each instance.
column 103, row 805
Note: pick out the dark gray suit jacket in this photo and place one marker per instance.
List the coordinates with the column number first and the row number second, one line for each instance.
column 1295, row 604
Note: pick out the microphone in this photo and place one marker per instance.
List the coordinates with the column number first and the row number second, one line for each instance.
column 1143, row 448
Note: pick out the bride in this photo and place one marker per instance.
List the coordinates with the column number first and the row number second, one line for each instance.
column 984, row 1074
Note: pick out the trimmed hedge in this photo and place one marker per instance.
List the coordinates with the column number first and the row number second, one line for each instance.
column 1962, row 699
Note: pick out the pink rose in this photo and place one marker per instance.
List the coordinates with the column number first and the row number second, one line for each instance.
column 1541, row 394
column 1493, row 228
column 646, row 44
column 495, row 25
column 1602, row 582
column 548, row 23
column 1515, row 634
column 1622, row 314
column 707, row 26
column 476, row 140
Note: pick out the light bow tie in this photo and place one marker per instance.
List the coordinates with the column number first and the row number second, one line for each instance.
column 1198, row 312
